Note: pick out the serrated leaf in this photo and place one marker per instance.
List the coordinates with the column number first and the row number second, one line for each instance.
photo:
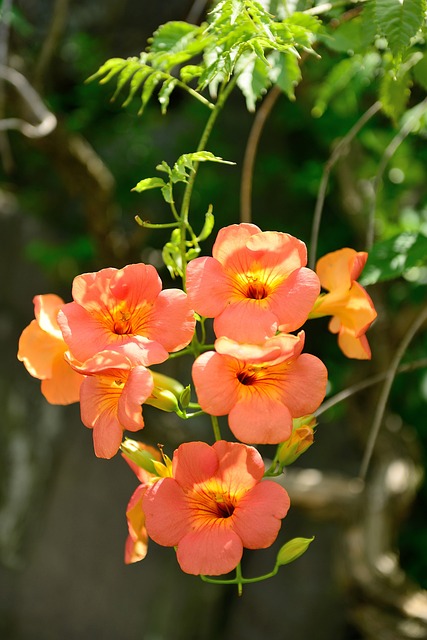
column 135, row 83
column 285, row 72
column 252, row 79
column 149, row 183
column 124, row 77
column 165, row 93
column 172, row 36
column 110, row 68
column 394, row 94
column 149, row 85
column 399, row 21
column 368, row 23
column 392, row 258
column 190, row 71
column 292, row 550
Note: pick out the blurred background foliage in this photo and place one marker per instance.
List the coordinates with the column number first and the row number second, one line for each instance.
column 72, row 194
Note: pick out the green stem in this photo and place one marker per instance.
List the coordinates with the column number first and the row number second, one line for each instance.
column 215, row 427
column 240, row 580
column 153, row 225
column 185, row 206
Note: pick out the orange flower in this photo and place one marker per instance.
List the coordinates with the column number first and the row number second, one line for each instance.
column 351, row 308
column 261, row 387
column 137, row 541
column 214, row 505
column 254, row 285
column 41, row 349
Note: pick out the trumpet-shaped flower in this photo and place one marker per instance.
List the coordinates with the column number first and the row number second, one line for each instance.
column 351, row 308
column 261, row 387
column 137, row 540
column 255, row 284
column 214, row 506
column 41, row 349
column 125, row 310
column 111, row 396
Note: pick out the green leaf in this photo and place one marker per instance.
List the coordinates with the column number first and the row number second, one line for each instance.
column 165, row 93
column 187, row 162
column 394, row 93
column 420, row 72
column 190, row 71
column 135, row 83
column 172, row 36
column 347, row 38
column 285, row 72
column 337, row 80
column 392, row 258
column 399, row 21
column 292, row 550
column 149, row 85
column 149, row 183
column 109, row 69
column 253, row 79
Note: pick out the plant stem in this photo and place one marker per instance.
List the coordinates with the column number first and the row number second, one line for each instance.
column 340, row 150
column 365, row 384
column 185, row 206
column 216, row 429
column 382, row 401
column 391, row 149
column 251, row 150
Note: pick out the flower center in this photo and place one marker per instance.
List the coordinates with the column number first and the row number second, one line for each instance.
column 257, row 290
column 122, row 324
column 247, row 377
column 224, row 509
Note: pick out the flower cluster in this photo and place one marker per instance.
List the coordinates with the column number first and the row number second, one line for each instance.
column 209, row 502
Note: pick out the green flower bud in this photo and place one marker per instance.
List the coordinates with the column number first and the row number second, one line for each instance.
column 292, row 550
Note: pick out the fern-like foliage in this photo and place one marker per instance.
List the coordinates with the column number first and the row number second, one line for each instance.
column 240, row 38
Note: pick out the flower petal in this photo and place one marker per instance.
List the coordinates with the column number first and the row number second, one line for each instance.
column 212, row 550
column 64, row 385
column 231, row 240
column 107, row 437
column 240, row 467
column 215, row 381
column 258, row 419
column 257, row 517
column 335, row 269
column 37, row 349
column 305, row 385
column 167, row 516
column 279, row 252
column 208, row 287
column 193, row 463
column 352, row 346
column 246, row 321
column 136, row 390
column 293, row 300
column 46, row 309
column 171, row 322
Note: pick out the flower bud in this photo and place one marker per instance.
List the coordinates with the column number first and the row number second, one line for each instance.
column 292, row 550
column 301, row 438
column 166, row 392
column 139, row 454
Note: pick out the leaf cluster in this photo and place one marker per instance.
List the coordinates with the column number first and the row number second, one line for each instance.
column 240, row 38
